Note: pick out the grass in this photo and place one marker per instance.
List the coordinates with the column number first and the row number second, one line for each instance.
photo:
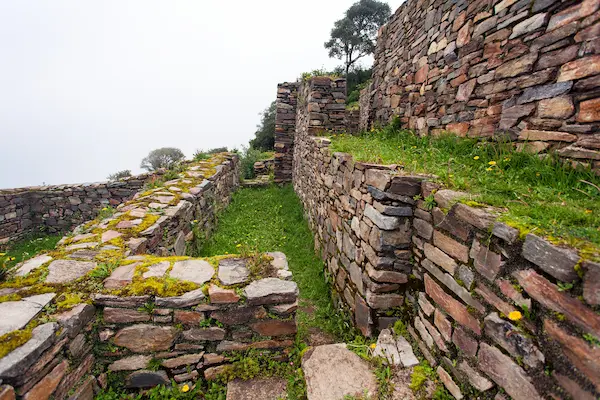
column 25, row 249
column 538, row 194
column 271, row 219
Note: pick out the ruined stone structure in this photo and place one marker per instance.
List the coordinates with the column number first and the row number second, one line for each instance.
column 61, row 207
column 487, row 308
column 528, row 68
column 285, row 126
column 150, row 313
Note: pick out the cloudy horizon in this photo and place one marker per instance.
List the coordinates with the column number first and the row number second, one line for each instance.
column 89, row 88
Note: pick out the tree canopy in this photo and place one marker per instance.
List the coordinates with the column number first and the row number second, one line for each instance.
column 353, row 36
column 161, row 158
column 118, row 175
column 265, row 134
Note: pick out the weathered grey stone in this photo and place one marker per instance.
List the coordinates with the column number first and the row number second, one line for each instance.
column 478, row 217
column 507, row 335
column 271, row 291
column 146, row 379
column 179, row 247
column 384, row 301
column 18, row 361
column 386, row 348
column 475, row 378
column 144, row 338
column 558, row 262
column 186, row 300
column 544, row 92
column 257, row 388
column 116, row 301
column 17, row 314
column 279, row 260
column 449, row 383
column 187, row 359
column 76, row 318
column 529, row 25
column 446, row 198
column 505, row 232
column 382, row 221
column 200, row 334
column 33, row 263
column 197, row 271
column 440, row 258
column 233, row 271
column 123, row 315
column 321, row 367
column 63, row 271
column 130, row 363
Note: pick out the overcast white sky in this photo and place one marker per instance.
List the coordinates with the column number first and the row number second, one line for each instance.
column 88, row 88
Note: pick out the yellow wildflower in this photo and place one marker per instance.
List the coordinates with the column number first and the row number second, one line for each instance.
column 2, row 254
column 537, row 174
column 586, row 211
column 238, row 245
column 476, row 158
column 489, row 169
column 185, row 388
column 11, row 259
column 507, row 159
column 515, row 315
column 492, row 163
column 373, row 345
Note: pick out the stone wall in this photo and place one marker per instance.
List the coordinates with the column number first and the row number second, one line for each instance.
column 148, row 313
column 285, row 126
column 528, row 68
column 61, row 207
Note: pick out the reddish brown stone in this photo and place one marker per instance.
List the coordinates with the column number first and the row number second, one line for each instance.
column 558, row 107
column 212, row 373
column 467, row 344
column 44, row 388
column 558, row 57
column 188, row 317
column 146, row 338
column 529, row 135
column 509, row 291
column 506, row 373
column 464, row 34
column 580, row 68
column 421, row 74
column 486, row 262
column 571, row 14
column 516, row 67
column 584, row 357
column 548, row 295
column 451, row 246
column 200, row 334
column 218, row 295
column 465, row 90
column 458, row 128
column 274, row 327
column 591, row 283
column 123, row 316
column 453, row 307
column 459, row 21
column 362, row 316
column 589, row 111
column 7, row 393
column 572, row 387
column 491, row 298
column 589, row 33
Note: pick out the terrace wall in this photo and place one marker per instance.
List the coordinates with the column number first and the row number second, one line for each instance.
column 285, row 126
column 528, row 69
column 60, row 207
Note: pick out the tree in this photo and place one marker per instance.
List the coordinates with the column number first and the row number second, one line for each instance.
column 161, row 158
column 265, row 134
column 119, row 175
column 353, row 36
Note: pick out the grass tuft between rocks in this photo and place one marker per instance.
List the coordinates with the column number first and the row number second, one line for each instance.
column 539, row 194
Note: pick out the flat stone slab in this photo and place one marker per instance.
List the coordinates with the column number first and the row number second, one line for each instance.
column 233, row 271
column 110, row 235
column 144, row 338
column 279, row 260
column 197, row 271
column 157, row 270
column 33, row 263
column 17, row 362
column 131, row 363
column 253, row 389
column 17, row 314
column 396, row 350
column 271, row 291
column 120, row 277
column 79, row 246
column 333, row 372
column 186, row 300
column 61, row 271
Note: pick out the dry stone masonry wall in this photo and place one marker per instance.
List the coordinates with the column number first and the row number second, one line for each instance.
column 526, row 68
column 285, row 126
column 61, row 207
column 123, row 287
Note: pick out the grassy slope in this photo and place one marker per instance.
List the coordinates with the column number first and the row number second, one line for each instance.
column 26, row 248
column 271, row 219
column 539, row 194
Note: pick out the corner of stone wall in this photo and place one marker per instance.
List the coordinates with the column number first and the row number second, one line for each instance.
column 285, row 128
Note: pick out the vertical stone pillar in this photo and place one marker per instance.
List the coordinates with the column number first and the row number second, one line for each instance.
column 285, row 128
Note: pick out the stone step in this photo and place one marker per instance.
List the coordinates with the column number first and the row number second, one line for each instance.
column 258, row 388
column 333, row 372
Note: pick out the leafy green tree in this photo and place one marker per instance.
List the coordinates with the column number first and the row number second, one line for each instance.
column 118, row 175
column 353, row 36
column 161, row 158
column 265, row 134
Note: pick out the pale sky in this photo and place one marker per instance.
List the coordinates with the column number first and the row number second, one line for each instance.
column 88, row 88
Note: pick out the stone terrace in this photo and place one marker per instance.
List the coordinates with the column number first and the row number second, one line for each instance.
column 123, row 287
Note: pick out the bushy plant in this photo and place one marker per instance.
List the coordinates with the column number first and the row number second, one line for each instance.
column 161, row 158
column 248, row 157
column 119, row 175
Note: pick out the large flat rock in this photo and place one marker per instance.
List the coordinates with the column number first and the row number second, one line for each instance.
column 17, row 314
column 233, row 271
column 121, row 276
column 332, row 372
column 143, row 338
column 254, row 389
column 33, row 263
column 18, row 362
column 197, row 271
column 62, row 271
column 271, row 291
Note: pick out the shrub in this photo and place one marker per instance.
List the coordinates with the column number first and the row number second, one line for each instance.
column 119, row 175
column 248, row 157
column 161, row 158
